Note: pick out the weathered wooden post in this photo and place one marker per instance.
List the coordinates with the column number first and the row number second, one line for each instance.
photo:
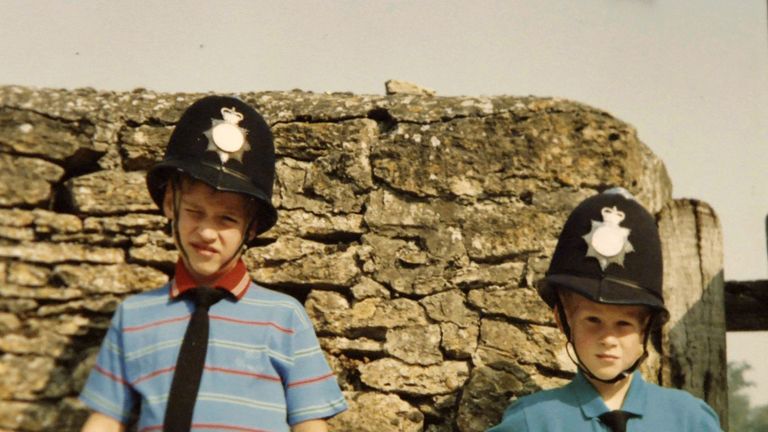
column 693, row 342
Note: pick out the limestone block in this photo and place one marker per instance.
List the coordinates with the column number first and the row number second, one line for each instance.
column 309, row 225
column 331, row 313
column 45, row 343
column 51, row 222
column 516, row 303
column 105, row 305
column 28, row 416
column 16, row 218
column 30, row 133
column 449, row 306
column 144, row 145
column 49, row 253
column 8, row 323
column 387, row 210
column 154, row 255
column 40, row 293
column 117, row 278
column 358, row 346
column 130, row 224
column 109, row 192
column 17, row 306
column 17, row 234
column 375, row 412
column 502, row 344
column 295, row 260
column 368, row 288
column 29, row 377
column 485, row 397
column 392, row 375
column 97, row 239
column 404, row 87
column 26, row 181
column 459, row 342
column 478, row 275
column 495, row 232
column 401, row 265
column 418, row 345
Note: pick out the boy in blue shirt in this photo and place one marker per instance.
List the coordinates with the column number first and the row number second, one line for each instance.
column 604, row 284
column 211, row 350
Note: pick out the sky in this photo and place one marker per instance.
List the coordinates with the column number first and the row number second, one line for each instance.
column 690, row 75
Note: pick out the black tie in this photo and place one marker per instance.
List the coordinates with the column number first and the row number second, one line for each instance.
column 616, row 420
column 190, row 363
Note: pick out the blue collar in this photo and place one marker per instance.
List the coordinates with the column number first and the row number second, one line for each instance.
column 592, row 404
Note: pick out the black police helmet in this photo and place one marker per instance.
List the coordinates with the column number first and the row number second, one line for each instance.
column 225, row 143
column 609, row 252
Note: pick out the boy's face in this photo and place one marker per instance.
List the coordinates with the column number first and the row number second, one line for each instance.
column 211, row 227
column 608, row 338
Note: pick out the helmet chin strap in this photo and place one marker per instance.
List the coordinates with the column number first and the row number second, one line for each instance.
column 580, row 364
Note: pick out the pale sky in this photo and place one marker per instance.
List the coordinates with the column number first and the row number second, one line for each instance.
column 690, row 75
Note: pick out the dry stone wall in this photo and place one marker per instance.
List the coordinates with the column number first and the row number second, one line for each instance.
column 412, row 227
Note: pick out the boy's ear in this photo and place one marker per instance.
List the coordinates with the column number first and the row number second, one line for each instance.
column 168, row 201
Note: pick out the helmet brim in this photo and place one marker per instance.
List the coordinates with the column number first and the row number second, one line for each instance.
column 216, row 176
column 606, row 291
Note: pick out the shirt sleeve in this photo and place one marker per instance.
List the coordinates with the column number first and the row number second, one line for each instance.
column 311, row 390
column 513, row 419
column 707, row 419
column 107, row 389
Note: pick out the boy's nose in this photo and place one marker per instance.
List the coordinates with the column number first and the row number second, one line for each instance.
column 206, row 232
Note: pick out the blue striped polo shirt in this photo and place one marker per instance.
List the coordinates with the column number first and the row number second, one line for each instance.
column 264, row 369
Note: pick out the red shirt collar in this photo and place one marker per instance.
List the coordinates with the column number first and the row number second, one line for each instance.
column 236, row 281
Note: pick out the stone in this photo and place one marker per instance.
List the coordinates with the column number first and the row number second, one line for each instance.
column 105, row 305
column 26, row 181
column 291, row 259
column 368, row 288
column 9, row 323
column 144, row 145
column 33, row 134
column 21, row 273
column 459, row 343
column 396, row 263
column 308, row 225
column 449, row 306
column 156, row 256
column 418, row 345
column 476, row 275
column 50, row 253
column 374, row 412
column 17, row 234
column 116, row 279
column 45, row 343
column 39, row 293
column 331, row 313
column 109, row 192
column 28, row 416
column 51, row 222
column 392, row 375
column 485, row 397
column 404, row 87
column 358, row 346
column 502, row 344
column 516, row 303
column 24, row 377
column 130, row 224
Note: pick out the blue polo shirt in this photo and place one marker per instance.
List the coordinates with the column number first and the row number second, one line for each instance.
column 264, row 369
column 576, row 406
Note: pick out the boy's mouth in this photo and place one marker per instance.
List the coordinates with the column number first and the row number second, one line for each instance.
column 203, row 249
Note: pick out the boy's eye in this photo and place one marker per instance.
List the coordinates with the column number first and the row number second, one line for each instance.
column 593, row 319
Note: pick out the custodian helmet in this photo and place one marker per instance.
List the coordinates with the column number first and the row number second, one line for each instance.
column 225, row 143
column 609, row 252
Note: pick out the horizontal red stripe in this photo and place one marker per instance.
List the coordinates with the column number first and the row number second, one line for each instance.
column 154, row 374
column 156, row 323
column 110, row 375
column 212, row 369
column 310, row 380
column 213, row 426
column 245, row 373
column 256, row 323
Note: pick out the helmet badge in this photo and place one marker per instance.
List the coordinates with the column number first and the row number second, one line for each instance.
column 608, row 242
column 226, row 138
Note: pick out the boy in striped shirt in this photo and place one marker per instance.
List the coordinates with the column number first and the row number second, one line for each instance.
column 246, row 360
